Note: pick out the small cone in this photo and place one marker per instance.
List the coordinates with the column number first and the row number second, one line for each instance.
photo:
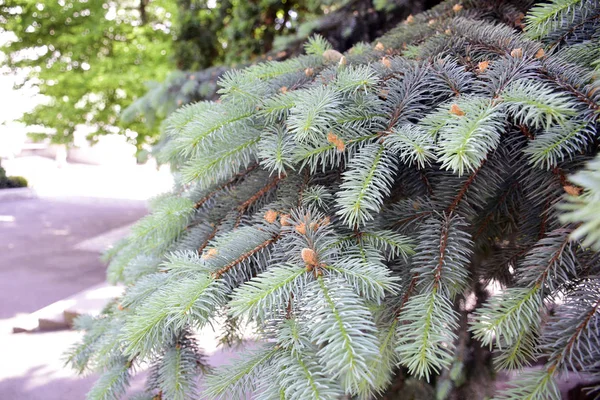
column 271, row 216
column 457, row 7
column 379, row 46
column 519, row 21
column 517, row 53
column 455, row 109
column 332, row 55
column 540, row 53
column 335, row 140
column 309, row 256
column 301, row 228
column 572, row 190
column 211, row 253
column 285, row 220
column 482, row 66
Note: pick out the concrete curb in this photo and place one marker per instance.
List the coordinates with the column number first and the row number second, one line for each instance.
column 60, row 315
column 101, row 243
column 17, row 194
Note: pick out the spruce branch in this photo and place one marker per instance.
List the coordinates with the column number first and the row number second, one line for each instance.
column 344, row 332
column 583, row 208
column 470, row 134
column 365, row 184
column 269, row 292
column 426, row 334
column 233, row 380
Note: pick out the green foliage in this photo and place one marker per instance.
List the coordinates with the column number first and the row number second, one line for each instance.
column 212, row 39
column 466, row 139
column 365, row 184
column 11, row 181
column 546, row 18
column 317, row 45
column 376, row 218
column 85, row 58
column 16, row 181
column 584, row 209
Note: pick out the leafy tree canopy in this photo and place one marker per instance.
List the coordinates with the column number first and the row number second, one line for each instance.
column 91, row 59
column 86, row 57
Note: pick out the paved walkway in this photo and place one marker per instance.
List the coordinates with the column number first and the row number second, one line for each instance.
column 39, row 265
column 38, row 262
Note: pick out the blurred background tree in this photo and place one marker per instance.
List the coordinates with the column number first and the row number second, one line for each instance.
column 89, row 59
column 92, row 59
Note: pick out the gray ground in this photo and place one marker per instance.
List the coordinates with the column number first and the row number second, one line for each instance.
column 38, row 266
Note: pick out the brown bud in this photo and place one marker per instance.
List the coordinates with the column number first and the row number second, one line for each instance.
column 540, row 53
column 573, row 190
column 343, row 61
column 283, row 89
column 309, row 71
column 517, row 53
column 383, row 93
column 455, row 109
column 285, row 220
column 309, row 256
column 210, row 253
column 120, row 307
column 457, row 7
column 271, row 216
column 386, row 62
column 410, row 19
column 379, row 46
column 301, row 228
column 335, row 140
column 519, row 21
column 431, row 21
column 448, row 32
column 332, row 55
column 482, row 66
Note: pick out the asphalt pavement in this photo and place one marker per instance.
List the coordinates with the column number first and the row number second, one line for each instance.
column 38, row 260
column 40, row 264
